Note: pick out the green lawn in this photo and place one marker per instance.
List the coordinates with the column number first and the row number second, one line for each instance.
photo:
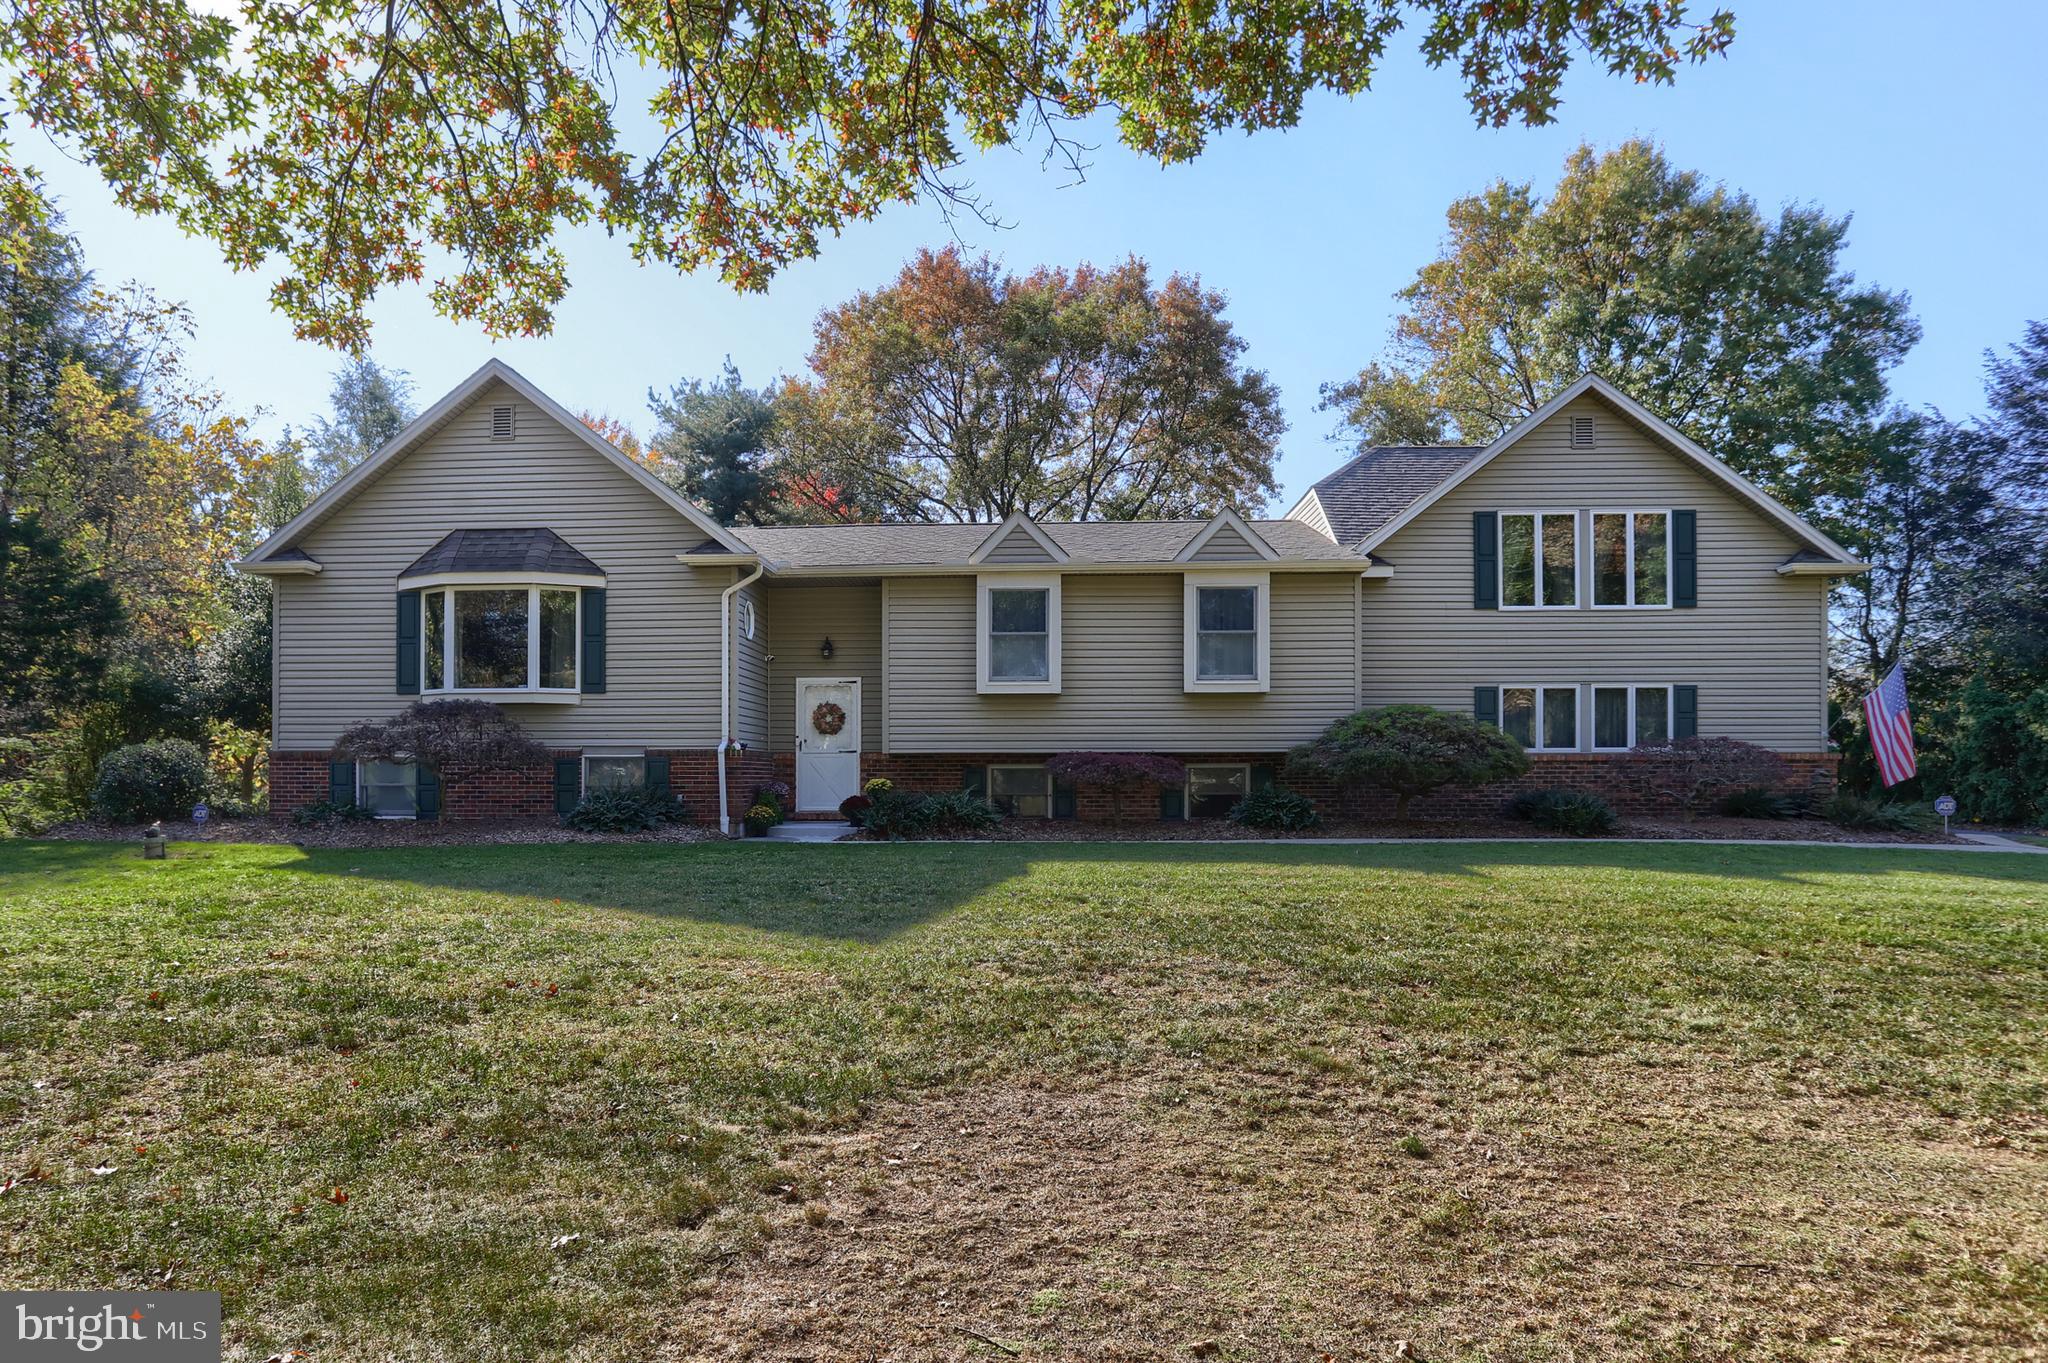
column 1044, row 1101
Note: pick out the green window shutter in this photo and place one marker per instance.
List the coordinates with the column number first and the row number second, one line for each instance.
column 1685, row 558
column 1262, row 776
column 408, row 643
column 1173, row 802
column 593, row 641
column 974, row 781
column 657, row 776
column 341, row 783
column 568, row 783
column 1685, row 712
column 1062, row 800
column 427, row 795
column 1485, row 561
column 1486, row 705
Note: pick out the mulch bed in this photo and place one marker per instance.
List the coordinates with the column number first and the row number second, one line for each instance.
column 1215, row 830
column 376, row 832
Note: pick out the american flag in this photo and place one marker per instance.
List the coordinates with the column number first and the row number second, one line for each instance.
column 1891, row 729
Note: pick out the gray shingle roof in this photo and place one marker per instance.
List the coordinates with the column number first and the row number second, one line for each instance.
column 852, row 546
column 502, row 551
column 1382, row 482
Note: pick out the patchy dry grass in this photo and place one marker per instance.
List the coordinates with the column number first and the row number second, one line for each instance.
column 730, row 1101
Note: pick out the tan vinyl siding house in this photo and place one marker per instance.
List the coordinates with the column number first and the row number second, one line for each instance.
column 1755, row 645
column 335, row 653
column 1223, row 641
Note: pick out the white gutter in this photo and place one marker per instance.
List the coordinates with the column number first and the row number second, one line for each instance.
column 725, row 686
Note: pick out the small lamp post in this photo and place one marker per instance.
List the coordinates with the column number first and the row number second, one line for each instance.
column 153, row 841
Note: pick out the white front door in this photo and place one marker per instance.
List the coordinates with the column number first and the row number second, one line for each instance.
column 827, row 764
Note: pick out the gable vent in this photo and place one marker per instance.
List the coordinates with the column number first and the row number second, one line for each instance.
column 501, row 424
column 1582, row 433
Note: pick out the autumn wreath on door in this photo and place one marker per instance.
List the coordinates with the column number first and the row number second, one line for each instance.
column 827, row 718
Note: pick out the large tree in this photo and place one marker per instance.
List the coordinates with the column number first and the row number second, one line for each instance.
column 959, row 392
column 371, row 405
column 714, row 444
column 355, row 145
column 1743, row 330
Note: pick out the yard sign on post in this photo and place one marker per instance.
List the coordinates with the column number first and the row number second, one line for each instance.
column 1945, row 806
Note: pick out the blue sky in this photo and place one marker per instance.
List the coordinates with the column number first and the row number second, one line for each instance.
column 1921, row 123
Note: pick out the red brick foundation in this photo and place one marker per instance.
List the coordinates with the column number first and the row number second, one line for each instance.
column 300, row 778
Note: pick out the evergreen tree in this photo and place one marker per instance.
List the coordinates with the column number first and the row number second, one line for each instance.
column 714, row 445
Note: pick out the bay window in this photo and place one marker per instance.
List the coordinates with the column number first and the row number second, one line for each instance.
column 1631, row 558
column 1541, row 718
column 1626, row 715
column 1017, row 634
column 499, row 639
column 1539, row 562
column 1227, row 627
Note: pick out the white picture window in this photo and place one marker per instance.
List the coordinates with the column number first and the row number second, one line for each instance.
column 1021, row 792
column 1631, row 558
column 1017, row 624
column 511, row 638
column 1539, row 559
column 1215, row 787
column 1541, row 718
column 1228, row 629
column 614, row 771
column 1624, row 716
column 389, row 790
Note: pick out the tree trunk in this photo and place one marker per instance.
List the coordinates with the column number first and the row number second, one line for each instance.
column 249, row 777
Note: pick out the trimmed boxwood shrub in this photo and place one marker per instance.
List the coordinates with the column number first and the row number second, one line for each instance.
column 321, row 811
column 1275, row 808
column 624, row 811
column 160, row 780
column 1568, row 811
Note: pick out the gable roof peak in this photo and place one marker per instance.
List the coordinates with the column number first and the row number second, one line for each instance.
column 1230, row 520
column 1014, row 522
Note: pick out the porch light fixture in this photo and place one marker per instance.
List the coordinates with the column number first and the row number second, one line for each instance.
column 825, row 649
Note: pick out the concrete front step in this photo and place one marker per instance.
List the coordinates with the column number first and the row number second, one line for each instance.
column 809, row 830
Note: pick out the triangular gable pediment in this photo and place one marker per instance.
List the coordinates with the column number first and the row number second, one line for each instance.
column 1017, row 540
column 1660, row 431
column 434, row 419
column 1227, row 538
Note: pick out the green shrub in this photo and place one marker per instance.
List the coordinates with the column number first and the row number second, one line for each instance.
column 914, row 814
column 1760, row 802
column 323, row 812
column 1577, row 812
column 1408, row 750
column 161, row 780
column 761, row 818
column 230, row 806
column 1276, row 808
column 624, row 811
column 1874, row 816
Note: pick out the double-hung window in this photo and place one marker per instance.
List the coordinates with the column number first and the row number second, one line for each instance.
column 1017, row 648
column 1021, row 792
column 1228, row 631
column 1539, row 559
column 1626, row 715
column 499, row 639
column 1541, row 718
column 1631, row 558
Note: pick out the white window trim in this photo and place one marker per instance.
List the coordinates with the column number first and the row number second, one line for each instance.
column 1038, row 767
column 1187, row 787
column 451, row 583
column 1629, row 524
column 1500, row 553
column 985, row 583
column 1592, row 711
column 363, row 791
column 1500, row 705
column 1191, row 618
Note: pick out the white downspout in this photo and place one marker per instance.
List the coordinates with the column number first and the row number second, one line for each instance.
column 725, row 686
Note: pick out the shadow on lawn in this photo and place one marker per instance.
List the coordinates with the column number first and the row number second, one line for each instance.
column 871, row 894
